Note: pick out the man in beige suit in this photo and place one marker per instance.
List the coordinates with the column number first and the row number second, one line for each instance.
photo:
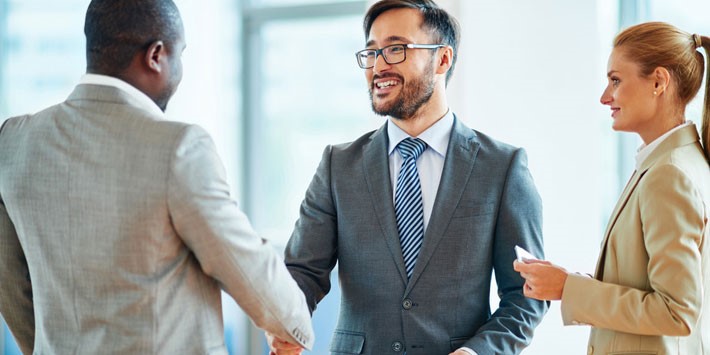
column 117, row 231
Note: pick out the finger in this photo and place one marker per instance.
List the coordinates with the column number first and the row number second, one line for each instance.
column 283, row 345
column 521, row 266
column 528, row 290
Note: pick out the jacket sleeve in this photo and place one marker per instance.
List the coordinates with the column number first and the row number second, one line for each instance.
column 674, row 218
column 311, row 252
column 16, row 294
column 519, row 222
column 16, row 304
column 247, row 267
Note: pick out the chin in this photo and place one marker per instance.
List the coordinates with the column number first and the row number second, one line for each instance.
column 381, row 108
column 620, row 127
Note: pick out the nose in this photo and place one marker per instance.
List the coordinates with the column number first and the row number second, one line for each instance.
column 380, row 64
column 606, row 98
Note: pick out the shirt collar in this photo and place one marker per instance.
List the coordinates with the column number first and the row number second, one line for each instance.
column 644, row 151
column 436, row 137
column 143, row 100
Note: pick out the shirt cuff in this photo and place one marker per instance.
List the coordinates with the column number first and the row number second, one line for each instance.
column 468, row 350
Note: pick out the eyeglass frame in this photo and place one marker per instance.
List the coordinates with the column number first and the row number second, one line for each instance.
column 380, row 52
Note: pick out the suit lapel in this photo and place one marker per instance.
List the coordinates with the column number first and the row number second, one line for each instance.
column 458, row 165
column 630, row 187
column 377, row 175
column 685, row 135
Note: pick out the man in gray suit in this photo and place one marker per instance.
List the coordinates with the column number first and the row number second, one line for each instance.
column 117, row 230
column 419, row 213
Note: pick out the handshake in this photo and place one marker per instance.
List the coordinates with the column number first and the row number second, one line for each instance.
column 279, row 346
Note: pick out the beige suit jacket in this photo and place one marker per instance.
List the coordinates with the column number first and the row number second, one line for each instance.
column 117, row 233
column 651, row 290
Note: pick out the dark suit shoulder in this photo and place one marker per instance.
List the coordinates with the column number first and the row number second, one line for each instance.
column 493, row 145
column 357, row 144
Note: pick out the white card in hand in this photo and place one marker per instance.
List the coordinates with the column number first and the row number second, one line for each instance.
column 523, row 254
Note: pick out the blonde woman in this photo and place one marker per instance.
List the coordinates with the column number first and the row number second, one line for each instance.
column 650, row 293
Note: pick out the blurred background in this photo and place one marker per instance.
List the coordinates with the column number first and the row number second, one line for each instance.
column 275, row 81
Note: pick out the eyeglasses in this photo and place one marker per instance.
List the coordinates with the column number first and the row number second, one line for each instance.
column 392, row 54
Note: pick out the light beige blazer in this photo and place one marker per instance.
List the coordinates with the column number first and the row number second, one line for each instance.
column 651, row 290
column 117, row 235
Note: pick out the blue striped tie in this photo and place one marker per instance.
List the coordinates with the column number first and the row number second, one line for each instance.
column 408, row 202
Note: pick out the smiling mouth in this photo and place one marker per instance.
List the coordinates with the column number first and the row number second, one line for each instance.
column 386, row 84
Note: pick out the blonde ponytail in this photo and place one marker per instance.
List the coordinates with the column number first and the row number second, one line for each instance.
column 705, row 127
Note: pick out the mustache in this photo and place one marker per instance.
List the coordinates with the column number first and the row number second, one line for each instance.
column 388, row 75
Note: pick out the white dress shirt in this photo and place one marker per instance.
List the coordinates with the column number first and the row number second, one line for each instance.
column 144, row 101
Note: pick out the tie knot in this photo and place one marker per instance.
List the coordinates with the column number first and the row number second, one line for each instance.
column 411, row 148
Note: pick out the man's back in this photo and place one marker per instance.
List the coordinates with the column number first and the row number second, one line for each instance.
column 109, row 204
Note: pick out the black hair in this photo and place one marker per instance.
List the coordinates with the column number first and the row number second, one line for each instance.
column 441, row 23
column 117, row 30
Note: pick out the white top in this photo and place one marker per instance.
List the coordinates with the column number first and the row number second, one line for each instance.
column 144, row 101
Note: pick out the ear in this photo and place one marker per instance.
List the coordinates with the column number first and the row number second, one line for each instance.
column 662, row 78
column 446, row 59
column 155, row 56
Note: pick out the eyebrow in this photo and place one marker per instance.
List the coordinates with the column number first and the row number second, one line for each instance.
column 389, row 39
column 610, row 73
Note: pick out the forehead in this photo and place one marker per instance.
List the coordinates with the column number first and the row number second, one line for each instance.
column 620, row 62
column 397, row 25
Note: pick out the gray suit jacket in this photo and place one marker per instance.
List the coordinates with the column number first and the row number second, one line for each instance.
column 485, row 205
column 117, row 232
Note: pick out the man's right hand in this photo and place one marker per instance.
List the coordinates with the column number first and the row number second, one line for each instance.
column 279, row 346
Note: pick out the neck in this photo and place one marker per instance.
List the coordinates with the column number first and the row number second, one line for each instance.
column 662, row 124
column 425, row 117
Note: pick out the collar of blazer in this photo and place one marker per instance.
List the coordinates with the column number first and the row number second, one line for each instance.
column 458, row 165
column 90, row 94
column 684, row 136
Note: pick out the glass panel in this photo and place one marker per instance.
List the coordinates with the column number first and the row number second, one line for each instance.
column 313, row 94
column 44, row 53
column 7, row 342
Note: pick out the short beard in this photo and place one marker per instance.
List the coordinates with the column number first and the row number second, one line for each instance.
column 410, row 99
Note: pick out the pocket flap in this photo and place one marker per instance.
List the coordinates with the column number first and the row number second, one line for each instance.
column 458, row 342
column 347, row 342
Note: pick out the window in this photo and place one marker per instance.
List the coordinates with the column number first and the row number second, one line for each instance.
column 44, row 53
column 303, row 90
column 310, row 93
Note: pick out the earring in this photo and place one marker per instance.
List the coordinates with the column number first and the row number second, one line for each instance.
column 655, row 93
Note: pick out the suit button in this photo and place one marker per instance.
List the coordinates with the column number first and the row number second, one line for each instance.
column 397, row 346
column 590, row 350
column 407, row 304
